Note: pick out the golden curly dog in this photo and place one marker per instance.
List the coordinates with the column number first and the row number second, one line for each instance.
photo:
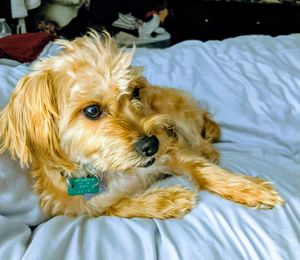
column 97, row 135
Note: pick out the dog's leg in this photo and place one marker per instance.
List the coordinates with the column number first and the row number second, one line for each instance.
column 172, row 202
column 250, row 191
column 208, row 151
column 211, row 130
column 210, row 134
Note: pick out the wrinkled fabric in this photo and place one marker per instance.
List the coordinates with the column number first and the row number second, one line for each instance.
column 250, row 85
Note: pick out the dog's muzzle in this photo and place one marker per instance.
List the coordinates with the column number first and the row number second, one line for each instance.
column 147, row 145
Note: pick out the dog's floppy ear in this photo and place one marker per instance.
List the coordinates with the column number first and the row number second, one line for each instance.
column 28, row 124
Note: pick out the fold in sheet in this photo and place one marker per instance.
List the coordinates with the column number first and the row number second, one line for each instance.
column 251, row 86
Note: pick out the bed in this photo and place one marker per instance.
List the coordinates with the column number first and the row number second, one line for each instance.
column 251, row 85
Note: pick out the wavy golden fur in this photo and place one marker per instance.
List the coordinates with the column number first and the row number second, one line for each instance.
column 140, row 132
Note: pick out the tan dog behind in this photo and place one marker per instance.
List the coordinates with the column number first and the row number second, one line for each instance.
column 87, row 110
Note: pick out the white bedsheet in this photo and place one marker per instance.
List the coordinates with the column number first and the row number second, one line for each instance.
column 251, row 84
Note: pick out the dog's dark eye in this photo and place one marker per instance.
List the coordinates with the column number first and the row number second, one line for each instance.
column 136, row 93
column 92, row 112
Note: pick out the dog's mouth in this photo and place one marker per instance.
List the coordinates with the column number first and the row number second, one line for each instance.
column 148, row 164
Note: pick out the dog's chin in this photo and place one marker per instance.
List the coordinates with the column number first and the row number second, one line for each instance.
column 148, row 163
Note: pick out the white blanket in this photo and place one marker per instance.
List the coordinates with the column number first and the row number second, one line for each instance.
column 251, row 85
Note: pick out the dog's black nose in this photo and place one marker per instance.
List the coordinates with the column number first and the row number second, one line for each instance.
column 147, row 145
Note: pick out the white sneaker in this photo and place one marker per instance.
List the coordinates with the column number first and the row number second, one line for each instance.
column 147, row 28
column 159, row 30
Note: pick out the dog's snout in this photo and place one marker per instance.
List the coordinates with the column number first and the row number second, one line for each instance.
column 147, row 145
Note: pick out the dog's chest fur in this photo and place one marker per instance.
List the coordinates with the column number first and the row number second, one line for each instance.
column 124, row 184
column 55, row 200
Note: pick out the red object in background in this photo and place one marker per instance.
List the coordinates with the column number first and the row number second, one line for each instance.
column 150, row 14
column 24, row 47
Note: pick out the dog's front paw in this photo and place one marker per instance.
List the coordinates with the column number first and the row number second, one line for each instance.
column 260, row 194
column 173, row 202
column 268, row 197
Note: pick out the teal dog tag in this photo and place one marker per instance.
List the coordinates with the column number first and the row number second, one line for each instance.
column 81, row 186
